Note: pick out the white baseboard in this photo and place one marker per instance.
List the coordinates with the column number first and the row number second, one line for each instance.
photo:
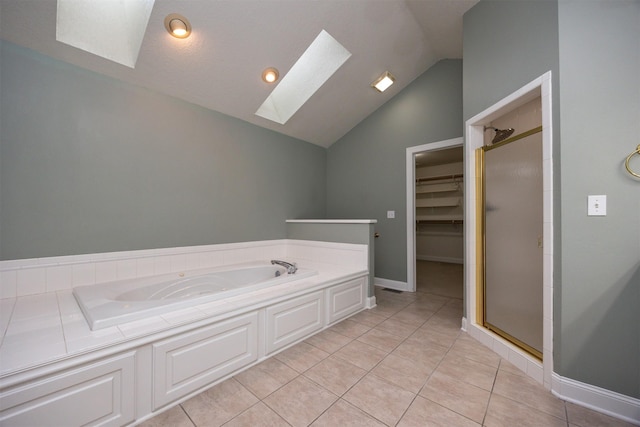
column 370, row 302
column 391, row 284
column 601, row 400
column 449, row 260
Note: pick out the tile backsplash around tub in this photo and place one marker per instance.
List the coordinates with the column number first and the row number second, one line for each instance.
column 39, row 275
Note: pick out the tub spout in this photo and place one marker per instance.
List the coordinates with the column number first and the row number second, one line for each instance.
column 291, row 267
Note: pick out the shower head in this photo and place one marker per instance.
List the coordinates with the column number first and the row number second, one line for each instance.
column 501, row 134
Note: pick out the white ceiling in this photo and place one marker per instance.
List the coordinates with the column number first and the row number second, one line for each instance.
column 233, row 41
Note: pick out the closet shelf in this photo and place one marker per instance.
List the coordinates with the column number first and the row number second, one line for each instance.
column 438, row 202
column 442, row 219
column 439, row 199
column 437, row 188
column 454, row 177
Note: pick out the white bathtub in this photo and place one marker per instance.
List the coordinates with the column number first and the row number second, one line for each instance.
column 109, row 304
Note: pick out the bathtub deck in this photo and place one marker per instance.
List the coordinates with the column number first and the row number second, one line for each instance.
column 42, row 329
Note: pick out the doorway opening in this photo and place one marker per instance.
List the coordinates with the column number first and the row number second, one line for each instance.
column 435, row 234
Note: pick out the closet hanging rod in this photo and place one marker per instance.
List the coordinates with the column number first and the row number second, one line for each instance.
column 441, row 177
column 626, row 162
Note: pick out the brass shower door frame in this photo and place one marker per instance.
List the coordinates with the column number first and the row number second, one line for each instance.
column 481, row 278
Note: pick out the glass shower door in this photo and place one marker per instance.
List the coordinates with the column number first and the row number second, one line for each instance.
column 513, row 241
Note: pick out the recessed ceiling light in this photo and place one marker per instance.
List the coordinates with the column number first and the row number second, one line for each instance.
column 383, row 82
column 177, row 25
column 270, row 75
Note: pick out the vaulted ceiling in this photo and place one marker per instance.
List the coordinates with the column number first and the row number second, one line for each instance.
column 219, row 66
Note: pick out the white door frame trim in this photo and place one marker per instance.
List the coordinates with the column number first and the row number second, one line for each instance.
column 411, row 208
column 474, row 128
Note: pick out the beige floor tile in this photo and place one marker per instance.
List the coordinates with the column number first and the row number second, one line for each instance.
column 444, row 325
column 349, row 328
column 360, row 354
column 423, row 412
column 343, row 414
column 458, row 396
column 418, row 307
column 219, row 404
column 450, row 311
column 396, row 327
column 585, row 417
column 525, row 390
column 266, row 377
column 302, row 356
column 403, row 372
column 469, row 371
column 335, row 374
column 300, row 402
column 379, row 398
column 174, row 417
column 381, row 339
column 329, row 341
column 455, row 302
column 503, row 412
column 439, row 278
column 430, row 302
column 466, row 346
column 426, row 355
column 444, row 290
column 413, row 316
column 258, row 415
column 429, row 336
column 368, row 318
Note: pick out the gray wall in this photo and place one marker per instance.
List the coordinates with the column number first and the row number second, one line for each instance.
column 599, row 322
column 366, row 174
column 90, row 164
column 592, row 49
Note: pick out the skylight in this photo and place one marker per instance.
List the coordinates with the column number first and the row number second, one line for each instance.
column 316, row 65
column 111, row 29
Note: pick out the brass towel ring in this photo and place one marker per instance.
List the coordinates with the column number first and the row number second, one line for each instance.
column 626, row 162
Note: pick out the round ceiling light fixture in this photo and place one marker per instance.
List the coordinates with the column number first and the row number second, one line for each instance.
column 270, row 75
column 177, row 25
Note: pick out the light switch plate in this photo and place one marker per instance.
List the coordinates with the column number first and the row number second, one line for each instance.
column 597, row 205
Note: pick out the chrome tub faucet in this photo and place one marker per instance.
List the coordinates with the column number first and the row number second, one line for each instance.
column 291, row 267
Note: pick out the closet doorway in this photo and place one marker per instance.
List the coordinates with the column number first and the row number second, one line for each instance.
column 435, row 232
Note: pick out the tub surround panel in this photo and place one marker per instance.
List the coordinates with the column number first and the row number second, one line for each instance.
column 190, row 361
column 39, row 275
column 292, row 320
column 346, row 299
column 165, row 359
column 108, row 385
column 55, row 318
